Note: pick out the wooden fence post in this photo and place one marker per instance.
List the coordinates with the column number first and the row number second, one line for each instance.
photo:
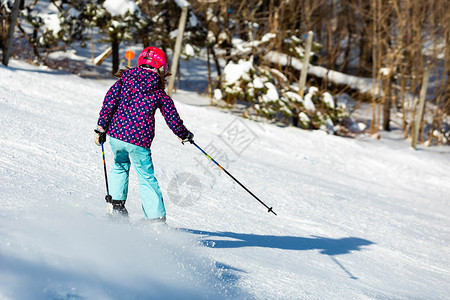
column 176, row 54
column 305, row 64
column 420, row 107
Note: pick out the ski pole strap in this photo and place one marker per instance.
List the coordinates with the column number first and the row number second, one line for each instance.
column 115, row 202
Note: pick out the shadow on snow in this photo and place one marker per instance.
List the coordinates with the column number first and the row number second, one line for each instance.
column 326, row 246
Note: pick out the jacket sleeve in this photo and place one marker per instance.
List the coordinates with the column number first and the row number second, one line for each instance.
column 110, row 104
column 171, row 115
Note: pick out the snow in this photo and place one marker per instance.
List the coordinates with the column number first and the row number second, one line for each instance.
column 52, row 22
column 217, row 95
column 304, row 118
column 267, row 37
column 120, row 7
column 5, row 4
column 235, row 71
column 328, row 100
column 257, row 83
column 189, row 50
column 385, row 71
column 173, row 34
column 294, row 96
column 364, row 85
column 69, row 54
column 357, row 218
column 271, row 94
column 182, row 3
column 307, row 102
column 210, row 38
column 362, row 126
column 73, row 12
column 193, row 21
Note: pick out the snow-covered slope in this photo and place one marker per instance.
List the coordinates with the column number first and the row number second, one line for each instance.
column 357, row 219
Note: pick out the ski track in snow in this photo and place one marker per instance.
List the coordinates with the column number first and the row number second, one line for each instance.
column 357, row 218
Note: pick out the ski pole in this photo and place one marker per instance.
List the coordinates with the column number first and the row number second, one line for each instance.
column 223, row 169
column 108, row 197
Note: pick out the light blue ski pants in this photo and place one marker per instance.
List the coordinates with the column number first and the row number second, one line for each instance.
column 126, row 154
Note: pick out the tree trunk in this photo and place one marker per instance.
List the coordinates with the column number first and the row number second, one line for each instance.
column 348, row 48
column 420, row 107
column 216, row 61
column 3, row 30
column 10, row 38
column 447, row 59
column 209, row 73
column 366, row 42
column 115, row 54
column 387, row 102
column 175, row 69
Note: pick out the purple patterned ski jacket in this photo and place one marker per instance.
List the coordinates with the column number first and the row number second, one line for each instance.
column 128, row 111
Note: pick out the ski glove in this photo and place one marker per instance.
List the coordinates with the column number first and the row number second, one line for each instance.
column 189, row 138
column 100, row 135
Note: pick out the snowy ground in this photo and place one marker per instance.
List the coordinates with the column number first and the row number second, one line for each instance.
column 357, row 218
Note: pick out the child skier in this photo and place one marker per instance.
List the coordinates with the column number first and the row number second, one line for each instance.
column 128, row 117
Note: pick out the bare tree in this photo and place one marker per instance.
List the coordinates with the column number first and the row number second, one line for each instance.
column 8, row 44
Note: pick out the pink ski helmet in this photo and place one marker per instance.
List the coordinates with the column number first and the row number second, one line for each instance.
column 154, row 57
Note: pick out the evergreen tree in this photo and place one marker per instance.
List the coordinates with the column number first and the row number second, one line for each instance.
column 116, row 23
column 165, row 16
